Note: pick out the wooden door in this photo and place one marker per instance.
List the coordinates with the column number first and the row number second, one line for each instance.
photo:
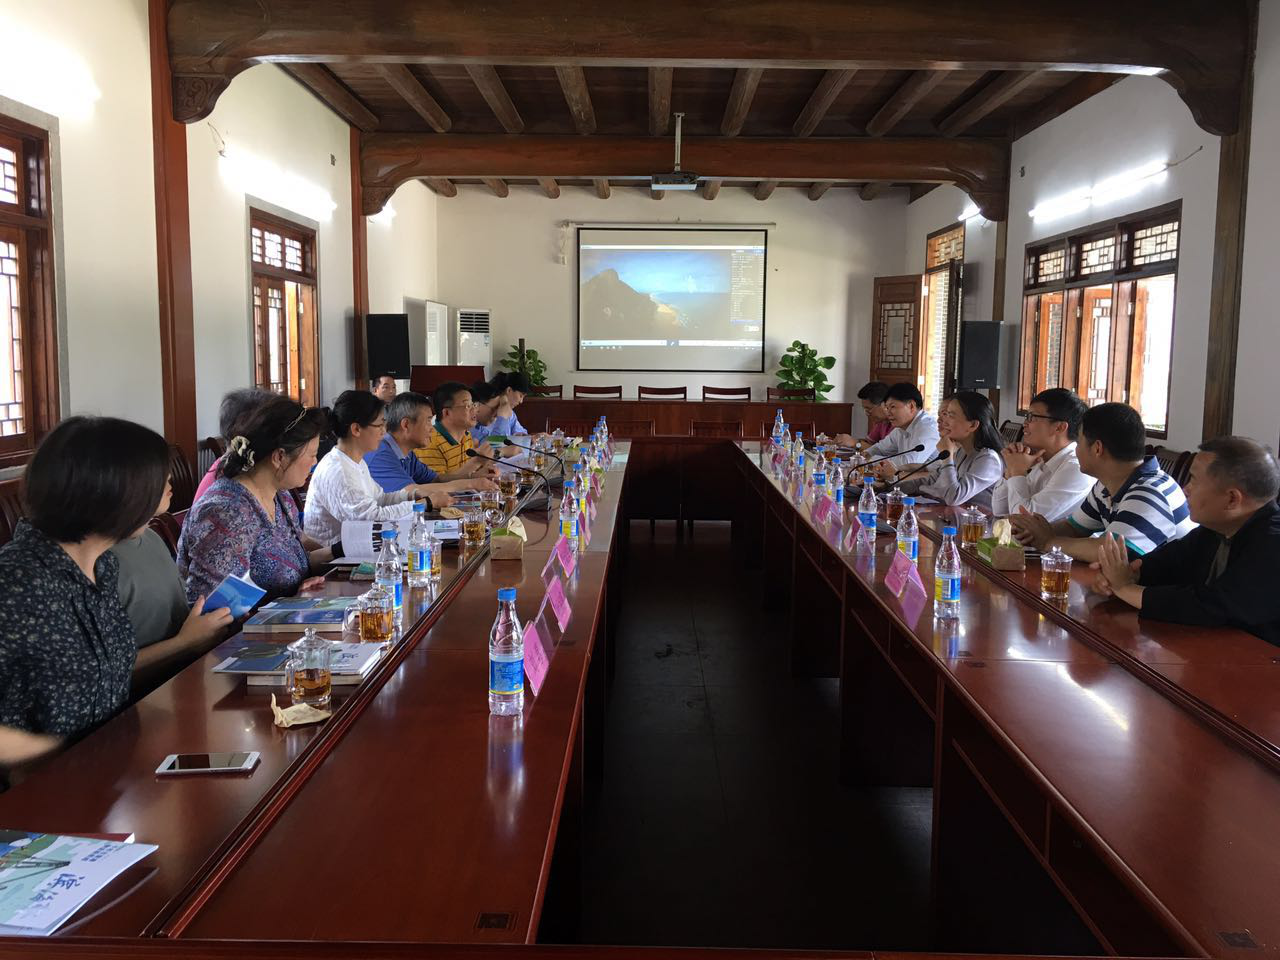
column 896, row 334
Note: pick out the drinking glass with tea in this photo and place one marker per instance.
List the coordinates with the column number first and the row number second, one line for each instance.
column 508, row 484
column 973, row 527
column 491, row 501
column 310, row 673
column 473, row 527
column 1055, row 574
column 893, row 507
column 374, row 615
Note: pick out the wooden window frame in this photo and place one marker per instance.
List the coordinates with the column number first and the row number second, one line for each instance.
column 1123, row 281
column 264, row 276
column 31, row 218
column 954, row 267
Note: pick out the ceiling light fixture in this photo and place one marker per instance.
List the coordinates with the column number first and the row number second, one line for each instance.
column 678, row 179
column 1108, row 190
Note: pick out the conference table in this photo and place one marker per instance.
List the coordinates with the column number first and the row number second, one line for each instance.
column 1131, row 769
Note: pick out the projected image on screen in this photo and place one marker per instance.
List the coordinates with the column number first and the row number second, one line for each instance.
column 670, row 299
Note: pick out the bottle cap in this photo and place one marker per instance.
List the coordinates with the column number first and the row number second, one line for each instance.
column 948, row 531
column 420, row 506
column 507, row 593
column 868, row 480
column 908, row 501
column 390, row 533
column 568, row 483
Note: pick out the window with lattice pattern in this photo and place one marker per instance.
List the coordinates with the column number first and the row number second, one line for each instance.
column 285, row 339
column 8, row 175
column 1045, row 266
column 1097, row 255
column 941, row 248
column 1155, row 243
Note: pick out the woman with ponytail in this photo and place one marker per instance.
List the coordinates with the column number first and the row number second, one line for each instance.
column 247, row 522
column 342, row 487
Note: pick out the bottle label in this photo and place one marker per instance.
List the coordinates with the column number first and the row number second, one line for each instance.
column 800, row 461
column 419, row 561
column 819, row 479
column 569, row 529
column 868, row 521
column 506, row 677
column 910, row 547
column 839, row 495
column 946, row 588
column 395, row 588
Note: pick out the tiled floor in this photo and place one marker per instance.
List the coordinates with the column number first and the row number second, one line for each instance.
column 721, row 821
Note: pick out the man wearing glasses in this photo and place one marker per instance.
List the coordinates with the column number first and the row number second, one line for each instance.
column 446, row 449
column 1041, row 472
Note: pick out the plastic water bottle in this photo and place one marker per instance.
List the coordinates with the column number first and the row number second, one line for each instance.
column 388, row 571
column 867, row 515
column 946, row 578
column 819, row 473
column 786, row 438
column 778, row 427
column 856, row 464
column 506, row 658
column 909, row 530
column 797, row 451
column 569, row 514
column 420, row 548
column 837, row 482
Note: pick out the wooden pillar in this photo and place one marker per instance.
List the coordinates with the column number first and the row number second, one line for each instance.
column 1228, row 258
column 173, row 247
column 360, row 266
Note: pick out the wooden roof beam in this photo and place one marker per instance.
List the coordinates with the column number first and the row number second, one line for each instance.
column 549, row 187
column 495, row 95
column 711, row 189
column 573, row 81
column 334, row 94
column 498, row 186
column 602, row 187
column 998, row 91
column 745, row 81
column 829, row 87
column 818, row 188
column 872, row 190
column 659, row 100
column 765, row 188
column 440, row 186
column 403, row 82
column 900, row 103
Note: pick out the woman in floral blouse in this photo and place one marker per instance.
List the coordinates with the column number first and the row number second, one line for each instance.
column 247, row 522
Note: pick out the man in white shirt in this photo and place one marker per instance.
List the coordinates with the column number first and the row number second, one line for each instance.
column 912, row 427
column 1041, row 472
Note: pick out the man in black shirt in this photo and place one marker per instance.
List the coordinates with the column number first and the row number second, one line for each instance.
column 1222, row 574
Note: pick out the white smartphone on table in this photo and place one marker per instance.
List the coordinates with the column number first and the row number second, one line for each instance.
column 176, row 764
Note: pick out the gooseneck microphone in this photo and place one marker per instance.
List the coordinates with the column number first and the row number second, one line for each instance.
column 918, row 448
column 541, row 476
column 545, row 453
column 942, row 455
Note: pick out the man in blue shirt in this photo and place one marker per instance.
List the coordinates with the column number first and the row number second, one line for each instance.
column 393, row 465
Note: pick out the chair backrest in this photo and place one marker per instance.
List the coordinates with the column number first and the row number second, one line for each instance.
column 1011, row 431
column 548, row 390
column 1176, row 463
column 716, row 428
column 787, row 393
column 662, row 393
column 181, row 479
column 168, row 527
column 571, row 428
column 726, row 393
column 12, row 508
column 630, row 429
column 597, row 392
column 208, row 450
column 807, row 429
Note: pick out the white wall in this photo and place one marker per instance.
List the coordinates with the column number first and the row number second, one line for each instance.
column 940, row 208
column 402, row 250
column 1257, row 400
column 267, row 116
column 1138, row 120
column 62, row 52
column 502, row 254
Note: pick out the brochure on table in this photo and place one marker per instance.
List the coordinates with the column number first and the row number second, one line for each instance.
column 362, row 539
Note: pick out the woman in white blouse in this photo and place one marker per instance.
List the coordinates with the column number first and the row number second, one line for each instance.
column 341, row 487
column 967, row 432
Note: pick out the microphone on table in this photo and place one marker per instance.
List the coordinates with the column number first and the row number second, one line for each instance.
column 484, row 456
column 943, row 455
column 545, row 453
column 918, row 448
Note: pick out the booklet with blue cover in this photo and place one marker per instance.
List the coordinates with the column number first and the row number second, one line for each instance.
column 238, row 593
column 295, row 614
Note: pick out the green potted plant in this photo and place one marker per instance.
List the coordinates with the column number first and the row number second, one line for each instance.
column 801, row 367
column 520, row 360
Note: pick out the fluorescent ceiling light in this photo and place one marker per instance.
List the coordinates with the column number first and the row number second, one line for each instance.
column 969, row 212
column 1108, row 190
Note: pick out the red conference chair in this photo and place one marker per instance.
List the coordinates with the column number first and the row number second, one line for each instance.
column 1011, row 430
column 571, row 428
column 662, row 393
column 630, row 429
column 555, row 392
column 181, row 479
column 726, row 393
column 168, row 527
column 807, row 429
column 729, row 429
column 786, row 393
column 598, row 393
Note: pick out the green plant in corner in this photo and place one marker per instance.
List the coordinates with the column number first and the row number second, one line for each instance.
column 801, row 367
column 528, row 363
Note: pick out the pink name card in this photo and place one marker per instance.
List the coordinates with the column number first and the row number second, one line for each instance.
column 595, row 483
column 564, row 553
column 822, row 509
column 591, row 510
column 536, row 661
column 899, row 572
column 914, row 596
column 559, row 604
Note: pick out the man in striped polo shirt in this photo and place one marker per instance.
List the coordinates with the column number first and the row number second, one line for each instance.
column 1146, row 508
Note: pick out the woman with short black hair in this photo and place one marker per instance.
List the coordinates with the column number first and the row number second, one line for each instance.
column 67, row 647
column 247, row 522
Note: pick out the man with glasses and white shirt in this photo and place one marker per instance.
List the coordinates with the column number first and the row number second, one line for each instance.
column 1041, row 472
column 912, row 427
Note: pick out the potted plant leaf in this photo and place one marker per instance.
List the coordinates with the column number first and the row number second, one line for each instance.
column 801, row 368
column 521, row 360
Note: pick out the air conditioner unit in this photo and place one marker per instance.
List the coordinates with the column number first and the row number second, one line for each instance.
column 475, row 346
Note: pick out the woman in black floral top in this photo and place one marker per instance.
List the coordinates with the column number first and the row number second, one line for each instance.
column 66, row 645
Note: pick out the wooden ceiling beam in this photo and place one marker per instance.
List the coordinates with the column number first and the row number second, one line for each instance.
column 495, row 95
column 549, row 187
column 745, row 81
column 917, row 190
column 657, row 194
column 913, row 90
column 659, row 100
column 497, row 185
column 711, row 189
column 403, row 82
column 441, row 186
column 765, row 188
column 1061, row 100
column 573, row 81
column 1199, row 48
column 818, row 188
column 872, row 190
column 602, row 187
column 977, row 166
column 829, row 87
column 995, row 93
column 334, row 94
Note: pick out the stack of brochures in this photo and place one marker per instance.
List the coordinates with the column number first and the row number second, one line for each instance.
column 266, row 663
column 295, row 614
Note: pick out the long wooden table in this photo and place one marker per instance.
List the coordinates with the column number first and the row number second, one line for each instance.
column 675, row 417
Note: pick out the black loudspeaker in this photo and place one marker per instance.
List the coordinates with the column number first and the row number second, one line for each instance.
column 387, row 340
column 979, row 355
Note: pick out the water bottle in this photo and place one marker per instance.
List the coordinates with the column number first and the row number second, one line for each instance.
column 797, row 451
column 388, row 571
column 837, row 482
column 786, row 439
column 569, row 515
column 434, row 552
column 506, row 658
column 420, row 548
column 909, row 530
column 946, row 578
column 856, row 463
column 867, row 515
column 819, row 474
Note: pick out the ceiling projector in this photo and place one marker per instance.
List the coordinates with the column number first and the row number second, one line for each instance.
column 679, row 180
